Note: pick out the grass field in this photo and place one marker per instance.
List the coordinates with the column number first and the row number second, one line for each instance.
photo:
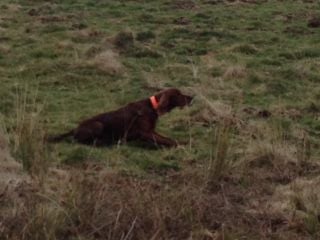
column 251, row 168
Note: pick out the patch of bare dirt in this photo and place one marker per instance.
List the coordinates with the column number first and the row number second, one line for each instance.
column 52, row 18
column 255, row 112
column 314, row 22
column 85, row 34
column 123, row 41
column 43, row 9
column 291, row 113
column 184, row 4
column 246, row 1
column 182, row 21
column 214, row 2
column 297, row 30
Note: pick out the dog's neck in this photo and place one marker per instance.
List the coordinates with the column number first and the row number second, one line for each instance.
column 153, row 105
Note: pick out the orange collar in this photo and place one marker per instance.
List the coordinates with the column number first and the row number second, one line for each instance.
column 154, row 102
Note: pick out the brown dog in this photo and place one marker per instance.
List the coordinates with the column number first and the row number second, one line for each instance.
column 135, row 121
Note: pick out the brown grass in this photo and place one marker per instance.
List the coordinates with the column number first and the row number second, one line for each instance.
column 10, row 170
column 219, row 163
column 210, row 61
column 108, row 62
column 235, row 72
column 202, row 202
column 28, row 134
column 216, row 112
column 205, row 200
column 13, row 8
column 4, row 49
column 91, row 203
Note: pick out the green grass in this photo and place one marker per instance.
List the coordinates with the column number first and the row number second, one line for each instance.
column 50, row 52
column 235, row 34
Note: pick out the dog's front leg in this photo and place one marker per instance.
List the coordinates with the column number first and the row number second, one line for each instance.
column 157, row 139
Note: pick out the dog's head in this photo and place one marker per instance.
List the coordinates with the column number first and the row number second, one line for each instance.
column 171, row 98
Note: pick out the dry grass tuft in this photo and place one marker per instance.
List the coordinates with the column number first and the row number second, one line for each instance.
column 85, row 34
column 65, row 45
column 219, row 163
column 10, row 171
column 287, row 112
column 108, row 62
column 271, row 156
column 12, row 180
column 300, row 201
column 269, row 140
column 28, row 134
column 210, row 61
column 235, row 72
column 155, row 81
column 216, row 112
column 302, row 195
column 4, row 49
column 13, row 8
column 247, row 49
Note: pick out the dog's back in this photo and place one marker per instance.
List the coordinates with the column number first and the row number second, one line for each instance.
column 136, row 120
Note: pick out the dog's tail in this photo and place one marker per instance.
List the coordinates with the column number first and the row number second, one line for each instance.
column 58, row 138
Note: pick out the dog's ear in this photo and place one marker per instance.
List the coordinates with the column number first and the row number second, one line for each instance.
column 163, row 105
